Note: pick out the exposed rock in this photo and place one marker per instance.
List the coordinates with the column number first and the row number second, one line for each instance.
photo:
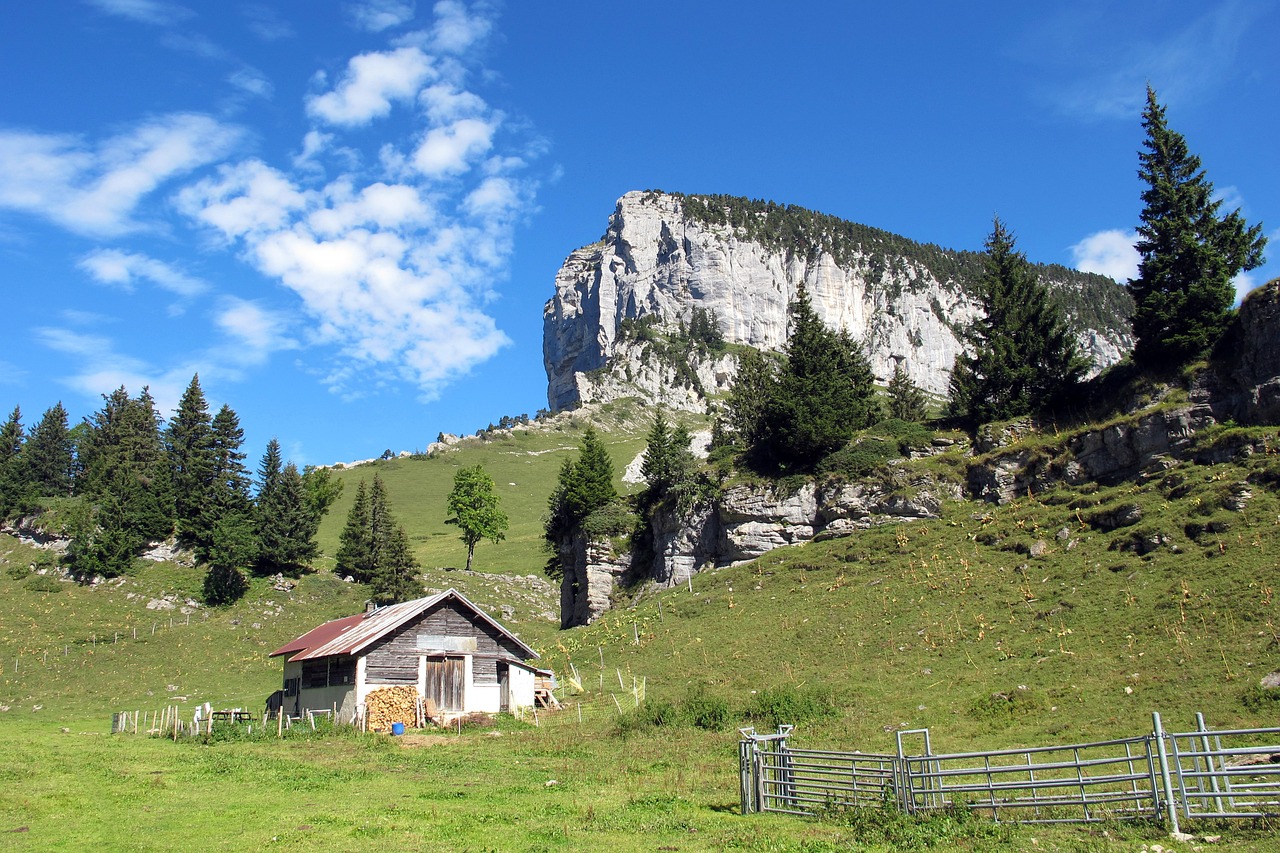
column 1252, row 359
column 591, row 570
column 1116, row 517
column 657, row 261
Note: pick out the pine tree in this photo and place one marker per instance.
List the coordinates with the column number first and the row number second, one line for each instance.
column 286, row 524
column 190, row 444
column 396, row 575
column 1021, row 357
column 1190, row 253
column 584, row 485
column 15, row 488
column 668, row 463
column 355, row 549
column 907, row 400
column 125, row 465
column 474, row 507
column 824, row 394
column 48, row 455
column 224, row 531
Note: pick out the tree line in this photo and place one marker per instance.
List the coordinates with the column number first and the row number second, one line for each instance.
column 123, row 479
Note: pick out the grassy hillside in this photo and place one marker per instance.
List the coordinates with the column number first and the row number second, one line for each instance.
column 951, row 624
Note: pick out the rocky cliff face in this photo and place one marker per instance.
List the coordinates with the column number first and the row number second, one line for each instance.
column 665, row 255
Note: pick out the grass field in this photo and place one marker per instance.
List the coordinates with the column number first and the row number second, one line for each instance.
column 951, row 625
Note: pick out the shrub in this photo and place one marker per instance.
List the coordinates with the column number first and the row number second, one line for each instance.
column 786, row 705
column 705, row 711
column 860, row 457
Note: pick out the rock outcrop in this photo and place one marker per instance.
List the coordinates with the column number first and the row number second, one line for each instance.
column 664, row 255
column 746, row 522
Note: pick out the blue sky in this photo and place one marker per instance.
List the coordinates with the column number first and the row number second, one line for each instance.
column 346, row 216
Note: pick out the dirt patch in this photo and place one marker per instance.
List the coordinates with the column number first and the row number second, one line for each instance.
column 410, row 740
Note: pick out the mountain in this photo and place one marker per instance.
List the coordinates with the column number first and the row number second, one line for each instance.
column 618, row 324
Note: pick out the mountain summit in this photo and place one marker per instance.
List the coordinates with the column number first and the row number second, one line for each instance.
column 631, row 312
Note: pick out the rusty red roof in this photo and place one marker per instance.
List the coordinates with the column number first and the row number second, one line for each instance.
column 319, row 635
column 353, row 634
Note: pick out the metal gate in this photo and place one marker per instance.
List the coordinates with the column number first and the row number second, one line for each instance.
column 1201, row 774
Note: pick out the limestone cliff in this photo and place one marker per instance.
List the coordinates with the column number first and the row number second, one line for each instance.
column 665, row 255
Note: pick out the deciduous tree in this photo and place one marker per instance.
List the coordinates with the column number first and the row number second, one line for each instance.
column 473, row 503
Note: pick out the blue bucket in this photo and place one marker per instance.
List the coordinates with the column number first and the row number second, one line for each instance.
column 397, row 728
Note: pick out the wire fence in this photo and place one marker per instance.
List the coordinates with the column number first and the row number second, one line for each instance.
column 1226, row 773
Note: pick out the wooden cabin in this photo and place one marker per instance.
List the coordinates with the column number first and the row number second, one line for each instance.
column 459, row 658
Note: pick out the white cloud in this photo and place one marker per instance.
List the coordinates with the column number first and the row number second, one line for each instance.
column 445, row 103
column 265, row 22
column 372, row 81
column 253, row 81
column 1110, row 75
column 448, row 150
column 456, row 29
column 95, row 191
column 256, row 331
column 145, row 11
column 1110, row 253
column 391, row 265
column 112, row 266
column 378, row 15
column 248, row 198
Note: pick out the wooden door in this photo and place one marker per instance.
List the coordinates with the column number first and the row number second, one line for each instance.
column 504, row 687
column 445, row 678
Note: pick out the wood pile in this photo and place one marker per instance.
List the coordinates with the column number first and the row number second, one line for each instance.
column 387, row 705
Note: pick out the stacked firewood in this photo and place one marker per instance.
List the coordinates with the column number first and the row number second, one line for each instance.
column 387, row 705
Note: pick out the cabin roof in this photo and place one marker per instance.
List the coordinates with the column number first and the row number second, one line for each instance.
column 353, row 634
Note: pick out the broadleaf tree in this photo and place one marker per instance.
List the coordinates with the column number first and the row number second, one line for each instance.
column 474, row 507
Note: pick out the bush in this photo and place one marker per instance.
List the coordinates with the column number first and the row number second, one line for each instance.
column 860, row 457
column 612, row 519
column 908, row 434
column 786, row 705
column 704, row 711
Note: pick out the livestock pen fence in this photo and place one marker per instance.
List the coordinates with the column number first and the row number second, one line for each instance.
column 1168, row 776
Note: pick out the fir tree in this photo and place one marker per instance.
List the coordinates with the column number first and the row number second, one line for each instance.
column 224, row 531
column 124, row 459
column 286, row 524
column 396, row 575
column 15, row 490
column 1021, row 357
column 1190, row 253
column 48, row 455
column 474, row 507
column 584, row 485
column 355, row 549
column 190, row 444
column 907, row 400
column 823, row 395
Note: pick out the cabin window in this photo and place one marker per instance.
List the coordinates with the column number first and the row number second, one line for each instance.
column 331, row 672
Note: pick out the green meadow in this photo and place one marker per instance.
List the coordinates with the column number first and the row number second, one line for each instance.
column 950, row 624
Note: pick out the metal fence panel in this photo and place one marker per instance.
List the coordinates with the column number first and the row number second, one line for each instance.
column 1200, row 774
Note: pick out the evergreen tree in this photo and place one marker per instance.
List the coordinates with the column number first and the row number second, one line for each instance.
column 823, row 395
column 224, row 530
column 1190, row 253
column 48, row 455
column 233, row 544
column 355, row 549
column 1021, row 357
column 584, row 485
column 124, row 459
column 15, row 490
column 190, row 444
column 755, row 385
column 668, row 463
column 375, row 549
column 907, row 400
column 474, row 507
column 396, row 575
column 286, row 524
